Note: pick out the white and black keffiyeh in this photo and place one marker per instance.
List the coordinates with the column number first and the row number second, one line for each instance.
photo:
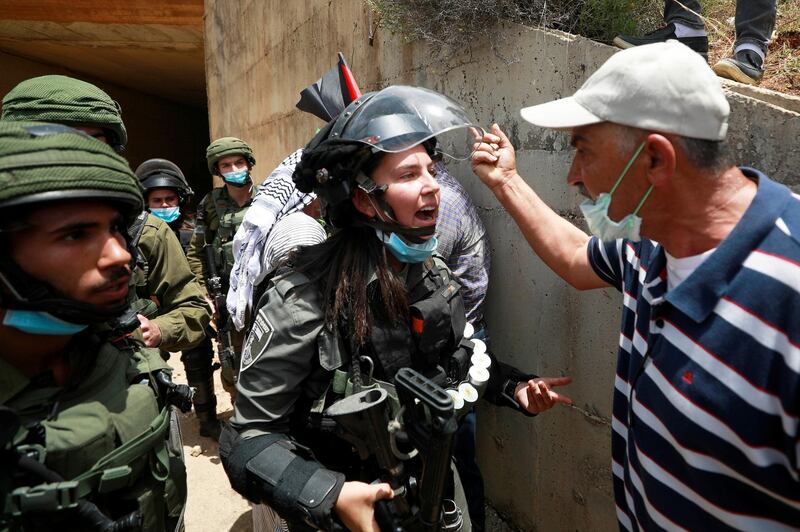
column 276, row 198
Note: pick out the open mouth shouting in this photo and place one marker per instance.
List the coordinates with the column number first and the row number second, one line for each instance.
column 426, row 216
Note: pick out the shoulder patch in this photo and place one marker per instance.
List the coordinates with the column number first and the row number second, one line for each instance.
column 257, row 341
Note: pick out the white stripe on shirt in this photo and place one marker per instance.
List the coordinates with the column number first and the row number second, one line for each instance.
column 728, row 376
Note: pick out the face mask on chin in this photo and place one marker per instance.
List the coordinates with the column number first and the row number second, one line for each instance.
column 41, row 323
column 168, row 214
column 596, row 212
column 237, row 179
column 405, row 252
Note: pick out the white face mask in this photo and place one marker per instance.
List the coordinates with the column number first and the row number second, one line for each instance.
column 596, row 212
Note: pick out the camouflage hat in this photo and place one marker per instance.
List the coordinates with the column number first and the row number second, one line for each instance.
column 51, row 162
column 65, row 100
column 227, row 146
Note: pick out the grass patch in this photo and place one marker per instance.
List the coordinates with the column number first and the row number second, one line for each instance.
column 602, row 20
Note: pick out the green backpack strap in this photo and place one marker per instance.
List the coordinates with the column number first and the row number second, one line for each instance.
column 136, row 228
column 215, row 197
column 110, row 473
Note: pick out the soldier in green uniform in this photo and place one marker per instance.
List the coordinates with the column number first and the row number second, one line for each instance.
column 219, row 215
column 338, row 328
column 166, row 194
column 172, row 311
column 84, row 416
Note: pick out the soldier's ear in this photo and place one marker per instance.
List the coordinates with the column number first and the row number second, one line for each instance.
column 362, row 203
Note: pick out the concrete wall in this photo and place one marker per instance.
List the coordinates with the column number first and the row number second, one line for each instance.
column 156, row 127
column 552, row 472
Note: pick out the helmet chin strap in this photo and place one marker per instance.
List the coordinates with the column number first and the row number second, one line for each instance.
column 24, row 292
column 411, row 234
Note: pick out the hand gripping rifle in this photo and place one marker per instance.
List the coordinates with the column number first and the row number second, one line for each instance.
column 429, row 423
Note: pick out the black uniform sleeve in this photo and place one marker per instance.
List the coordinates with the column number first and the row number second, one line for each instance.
column 504, row 377
column 271, row 468
column 280, row 363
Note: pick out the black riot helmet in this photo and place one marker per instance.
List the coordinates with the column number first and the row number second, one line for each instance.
column 395, row 119
column 162, row 173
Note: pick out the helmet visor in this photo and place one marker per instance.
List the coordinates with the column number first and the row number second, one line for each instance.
column 400, row 117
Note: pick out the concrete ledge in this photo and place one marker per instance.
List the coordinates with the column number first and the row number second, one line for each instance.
column 786, row 102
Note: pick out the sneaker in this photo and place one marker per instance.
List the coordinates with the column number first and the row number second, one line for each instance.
column 745, row 66
column 698, row 44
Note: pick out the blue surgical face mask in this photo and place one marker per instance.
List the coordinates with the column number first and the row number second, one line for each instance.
column 168, row 214
column 237, row 178
column 596, row 212
column 41, row 323
column 405, row 252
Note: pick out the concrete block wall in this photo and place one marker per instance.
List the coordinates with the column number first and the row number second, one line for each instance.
column 552, row 472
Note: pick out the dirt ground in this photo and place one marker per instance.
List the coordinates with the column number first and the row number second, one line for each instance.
column 212, row 506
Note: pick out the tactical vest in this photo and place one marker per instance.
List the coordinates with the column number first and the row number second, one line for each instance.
column 434, row 332
column 229, row 218
column 107, row 437
column 430, row 343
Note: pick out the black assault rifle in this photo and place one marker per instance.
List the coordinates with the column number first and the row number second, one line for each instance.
column 217, row 294
column 428, row 424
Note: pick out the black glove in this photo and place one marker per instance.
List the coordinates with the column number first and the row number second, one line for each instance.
column 179, row 395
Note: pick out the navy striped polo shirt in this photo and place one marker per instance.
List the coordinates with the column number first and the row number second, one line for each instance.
column 707, row 389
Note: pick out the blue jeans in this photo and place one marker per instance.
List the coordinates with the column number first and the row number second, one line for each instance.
column 755, row 19
column 467, row 467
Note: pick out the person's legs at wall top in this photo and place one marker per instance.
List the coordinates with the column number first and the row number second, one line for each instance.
column 683, row 23
column 755, row 22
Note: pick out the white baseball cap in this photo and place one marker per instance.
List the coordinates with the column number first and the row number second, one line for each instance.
column 663, row 87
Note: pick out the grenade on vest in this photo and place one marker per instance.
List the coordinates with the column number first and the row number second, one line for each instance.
column 466, row 393
column 466, row 372
column 215, row 290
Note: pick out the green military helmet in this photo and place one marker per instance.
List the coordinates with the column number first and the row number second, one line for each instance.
column 66, row 100
column 227, row 146
column 43, row 164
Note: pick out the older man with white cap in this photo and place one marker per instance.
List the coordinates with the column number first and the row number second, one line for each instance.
column 707, row 257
